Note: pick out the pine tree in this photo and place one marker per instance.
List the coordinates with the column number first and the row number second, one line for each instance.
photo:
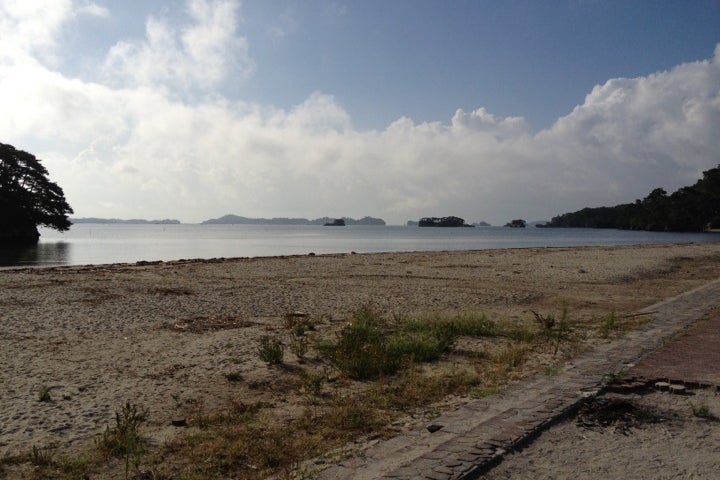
column 28, row 198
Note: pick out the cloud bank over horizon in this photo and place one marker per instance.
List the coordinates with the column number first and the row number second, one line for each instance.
column 151, row 135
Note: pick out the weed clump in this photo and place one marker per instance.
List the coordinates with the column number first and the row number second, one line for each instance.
column 44, row 394
column 124, row 439
column 271, row 350
column 554, row 330
column 702, row 411
column 361, row 351
column 370, row 346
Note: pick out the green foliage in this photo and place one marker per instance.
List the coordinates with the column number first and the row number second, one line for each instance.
column 449, row 328
column 271, row 350
column 554, row 330
column 702, row 411
column 369, row 346
column 361, row 351
column 44, row 394
column 693, row 208
column 124, row 439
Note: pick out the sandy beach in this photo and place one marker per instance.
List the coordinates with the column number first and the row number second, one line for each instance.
column 166, row 335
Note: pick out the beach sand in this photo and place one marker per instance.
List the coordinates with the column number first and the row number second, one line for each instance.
column 647, row 436
column 166, row 335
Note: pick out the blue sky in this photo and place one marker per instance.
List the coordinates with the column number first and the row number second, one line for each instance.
column 425, row 59
column 397, row 109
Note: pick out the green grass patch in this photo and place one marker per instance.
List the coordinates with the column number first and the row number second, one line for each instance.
column 370, row 346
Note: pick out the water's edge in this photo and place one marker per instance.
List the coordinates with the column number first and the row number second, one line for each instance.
column 93, row 244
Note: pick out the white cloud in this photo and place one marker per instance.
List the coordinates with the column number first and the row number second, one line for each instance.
column 132, row 149
column 31, row 28
column 201, row 54
column 93, row 10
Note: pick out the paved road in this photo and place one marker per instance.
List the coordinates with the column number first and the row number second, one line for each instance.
column 691, row 357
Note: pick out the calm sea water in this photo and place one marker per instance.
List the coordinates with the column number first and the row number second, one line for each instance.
column 112, row 243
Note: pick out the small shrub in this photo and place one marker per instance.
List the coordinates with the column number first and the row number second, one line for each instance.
column 420, row 346
column 547, row 324
column 124, row 440
column 44, row 394
column 701, row 411
column 298, row 330
column 554, row 330
column 271, row 350
column 361, row 349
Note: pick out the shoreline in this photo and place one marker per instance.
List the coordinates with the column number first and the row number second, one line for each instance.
column 100, row 335
column 183, row 261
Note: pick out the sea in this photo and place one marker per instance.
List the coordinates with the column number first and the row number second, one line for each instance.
column 94, row 244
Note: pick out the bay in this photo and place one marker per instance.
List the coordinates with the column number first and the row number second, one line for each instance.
column 86, row 244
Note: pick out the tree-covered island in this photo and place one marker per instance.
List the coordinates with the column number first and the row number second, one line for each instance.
column 442, row 222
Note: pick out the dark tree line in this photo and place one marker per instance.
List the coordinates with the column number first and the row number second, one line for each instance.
column 442, row 222
column 28, row 198
column 690, row 209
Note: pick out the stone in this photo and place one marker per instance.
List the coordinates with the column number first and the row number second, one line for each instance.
column 678, row 389
column 662, row 386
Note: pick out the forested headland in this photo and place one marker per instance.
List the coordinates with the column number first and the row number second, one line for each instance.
column 695, row 208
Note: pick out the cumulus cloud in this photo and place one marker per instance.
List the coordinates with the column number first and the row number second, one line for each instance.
column 127, row 147
column 200, row 54
column 31, row 28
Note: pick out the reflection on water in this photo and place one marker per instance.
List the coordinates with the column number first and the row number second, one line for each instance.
column 40, row 254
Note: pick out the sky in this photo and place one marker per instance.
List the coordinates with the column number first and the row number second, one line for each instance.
column 398, row 109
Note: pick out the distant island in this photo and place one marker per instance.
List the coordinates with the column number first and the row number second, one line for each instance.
column 235, row 219
column 517, row 223
column 338, row 222
column 443, row 222
column 134, row 221
column 690, row 209
column 415, row 223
